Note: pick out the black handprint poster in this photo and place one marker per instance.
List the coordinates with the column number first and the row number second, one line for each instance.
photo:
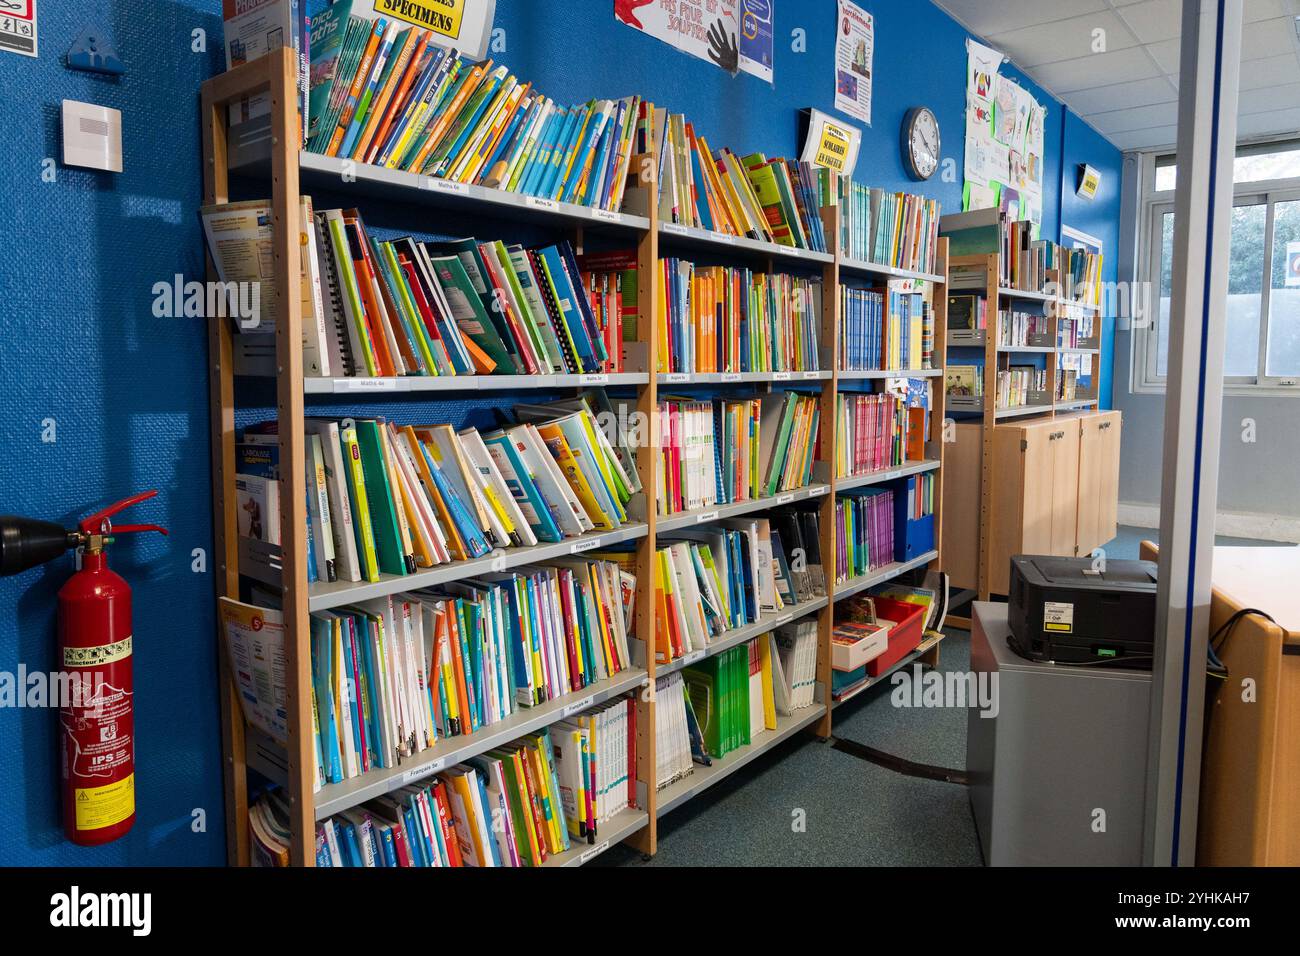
column 736, row 35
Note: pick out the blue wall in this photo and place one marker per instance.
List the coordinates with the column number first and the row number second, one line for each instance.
column 128, row 391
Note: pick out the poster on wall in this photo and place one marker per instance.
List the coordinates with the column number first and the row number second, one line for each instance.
column 464, row 25
column 830, row 143
column 855, row 47
column 1004, row 139
column 736, row 35
column 18, row 27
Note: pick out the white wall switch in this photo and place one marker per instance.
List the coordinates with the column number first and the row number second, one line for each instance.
column 92, row 136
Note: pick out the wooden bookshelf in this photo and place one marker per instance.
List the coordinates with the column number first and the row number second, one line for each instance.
column 1056, row 306
column 291, row 766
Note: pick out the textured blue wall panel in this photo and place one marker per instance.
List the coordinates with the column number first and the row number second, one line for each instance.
column 128, row 391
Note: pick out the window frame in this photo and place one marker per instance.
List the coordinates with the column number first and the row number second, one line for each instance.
column 1156, row 204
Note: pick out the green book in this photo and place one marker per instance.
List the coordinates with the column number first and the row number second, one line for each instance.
column 379, row 500
column 471, row 318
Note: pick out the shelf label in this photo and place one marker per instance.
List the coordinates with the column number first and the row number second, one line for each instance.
column 818, row 491
column 580, row 706
column 594, row 852
column 371, row 384
column 593, row 379
column 707, row 516
column 808, row 375
column 726, row 237
column 678, row 376
column 780, row 376
column 419, row 773
column 448, row 186
column 796, row 252
column 731, row 376
column 674, row 229
column 582, row 546
column 607, row 215
column 783, row 620
column 540, row 202
column 784, row 499
column 692, row 657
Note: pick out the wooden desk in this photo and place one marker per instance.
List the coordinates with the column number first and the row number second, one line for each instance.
column 1250, row 768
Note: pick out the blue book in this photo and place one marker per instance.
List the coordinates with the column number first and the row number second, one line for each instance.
column 415, row 839
column 513, row 137
column 565, row 134
column 539, row 162
column 524, row 490
column 369, row 669
column 353, row 692
column 489, row 809
column 378, row 69
column 586, row 142
column 475, row 544
column 493, row 84
column 322, row 652
column 423, row 87
column 568, row 300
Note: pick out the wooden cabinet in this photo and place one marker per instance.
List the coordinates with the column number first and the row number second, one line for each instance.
column 1098, row 480
column 1055, row 490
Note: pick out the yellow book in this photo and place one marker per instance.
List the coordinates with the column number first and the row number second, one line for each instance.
column 661, row 320
column 467, row 822
column 563, row 454
column 404, row 506
column 769, row 701
column 360, row 510
column 601, row 621
column 542, row 777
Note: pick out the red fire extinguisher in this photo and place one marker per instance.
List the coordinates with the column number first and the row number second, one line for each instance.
column 96, row 714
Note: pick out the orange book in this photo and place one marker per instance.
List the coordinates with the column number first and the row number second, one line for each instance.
column 458, row 666
column 455, row 546
column 393, row 98
column 360, row 252
column 450, row 114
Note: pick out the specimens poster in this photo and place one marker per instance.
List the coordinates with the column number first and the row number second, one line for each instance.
column 855, row 47
column 1004, row 138
column 736, row 35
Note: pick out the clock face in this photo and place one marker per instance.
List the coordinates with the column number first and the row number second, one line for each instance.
column 922, row 138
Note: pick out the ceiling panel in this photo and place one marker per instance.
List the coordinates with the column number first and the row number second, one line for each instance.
column 1118, row 96
column 985, row 18
column 1135, row 118
column 1119, row 66
column 1063, row 39
column 1154, row 20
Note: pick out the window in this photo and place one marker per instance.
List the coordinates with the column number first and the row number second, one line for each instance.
column 1263, row 309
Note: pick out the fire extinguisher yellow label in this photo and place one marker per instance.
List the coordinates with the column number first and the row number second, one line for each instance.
column 97, row 656
column 104, row 806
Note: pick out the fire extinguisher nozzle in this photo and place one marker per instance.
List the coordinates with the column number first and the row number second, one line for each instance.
column 27, row 542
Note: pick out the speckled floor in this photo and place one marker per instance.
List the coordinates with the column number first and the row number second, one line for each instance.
column 852, row 812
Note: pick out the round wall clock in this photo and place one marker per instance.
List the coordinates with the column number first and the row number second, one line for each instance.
column 920, row 142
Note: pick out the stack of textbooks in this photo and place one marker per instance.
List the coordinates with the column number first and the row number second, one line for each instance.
column 384, row 93
column 795, row 666
column 1073, row 367
column 1026, row 263
column 864, row 532
column 964, row 381
column 392, row 676
column 1018, row 329
column 796, row 536
column 1081, row 276
column 1016, row 382
column 722, row 319
column 394, row 499
column 734, row 695
column 516, row 805
column 890, row 229
column 771, row 200
column 722, row 451
column 717, row 579
column 678, row 742
column 1076, row 332
column 403, row 307
column 269, row 834
column 875, row 339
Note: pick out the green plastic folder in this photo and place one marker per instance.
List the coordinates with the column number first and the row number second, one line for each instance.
column 379, row 498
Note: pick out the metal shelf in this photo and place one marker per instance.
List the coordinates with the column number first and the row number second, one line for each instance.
column 689, row 519
column 849, row 693
column 702, row 238
column 1025, row 295
column 1076, row 403
column 887, row 573
column 741, row 635
column 1021, row 411
column 464, row 383
column 449, row 751
column 850, row 482
column 614, row 830
column 332, row 174
column 728, row 378
column 864, row 267
column 1026, row 349
column 696, row 782
column 325, row 595
column 867, row 374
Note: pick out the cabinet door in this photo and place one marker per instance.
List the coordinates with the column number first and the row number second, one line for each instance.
column 1036, row 490
column 1064, row 443
column 1111, row 429
column 1092, row 454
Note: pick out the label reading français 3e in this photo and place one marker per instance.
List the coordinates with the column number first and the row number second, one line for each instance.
column 1058, row 617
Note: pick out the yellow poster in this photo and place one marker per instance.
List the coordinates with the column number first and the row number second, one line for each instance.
column 465, row 25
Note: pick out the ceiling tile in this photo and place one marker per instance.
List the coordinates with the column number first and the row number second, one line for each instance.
column 1263, row 124
column 1135, row 118
column 1265, row 10
column 1114, row 96
column 1270, row 71
column 1154, row 20
column 1266, row 38
column 1146, row 139
column 1167, row 54
column 1064, row 39
column 986, row 19
column 1269, row 98
column 1120, row 66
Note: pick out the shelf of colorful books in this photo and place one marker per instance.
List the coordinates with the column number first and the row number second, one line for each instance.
column 742, row 635
column 699, row 516
column 849, row 482
column 372, row 387
column 326, row 595
column 690, row 237
column 740, row 378
column 865, row 375
column 702, row 777
column 880, row 576
column 861, row 267
column 449, row 751
column 848, row 693
column 332, row 174
column 614, row 830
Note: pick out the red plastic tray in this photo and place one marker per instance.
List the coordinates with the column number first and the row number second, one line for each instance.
column 903, row 637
